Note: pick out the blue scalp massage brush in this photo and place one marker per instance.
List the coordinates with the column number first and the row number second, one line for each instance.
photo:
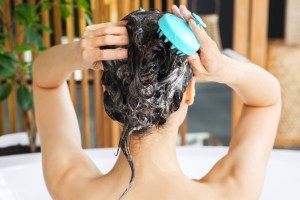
column 179, row 33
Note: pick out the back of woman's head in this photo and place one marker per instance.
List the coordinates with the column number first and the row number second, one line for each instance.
column 142, row 91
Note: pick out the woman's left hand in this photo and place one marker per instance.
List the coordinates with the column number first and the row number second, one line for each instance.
column 99, row 35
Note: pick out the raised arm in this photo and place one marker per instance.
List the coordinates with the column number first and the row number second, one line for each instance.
column 64, row 161
column 243, row 168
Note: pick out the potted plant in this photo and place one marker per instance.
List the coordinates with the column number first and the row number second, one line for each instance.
column 15, row 71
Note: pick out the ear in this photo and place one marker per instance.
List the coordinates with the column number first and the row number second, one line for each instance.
column 190, row 92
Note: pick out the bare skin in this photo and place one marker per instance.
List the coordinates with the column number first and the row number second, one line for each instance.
column 70, row 174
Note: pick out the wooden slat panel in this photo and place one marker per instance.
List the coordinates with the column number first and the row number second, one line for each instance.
column 241, row 28
column 57, row 23
column 158, row 5
column 259, row 32
column 20, row 41
column 123, row 8
column 85, row 92
column 6, row 22
column 98, row 97
column 12, row 110
column 8, row 46
column 241, row 36
column 70, row 35
column 135, row 5
column 169, row 5
column 113, row 11
column 96, row 11
column 184, row 2
column 33, row 53
column 106, row 120
column 19, row 28
column 145, row 4
column 106, row 13
column 46, row 22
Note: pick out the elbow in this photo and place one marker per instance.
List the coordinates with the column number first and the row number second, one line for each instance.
column 277, row 92
column 35, row 72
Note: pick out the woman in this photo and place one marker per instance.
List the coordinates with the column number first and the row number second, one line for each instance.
column 153, row 171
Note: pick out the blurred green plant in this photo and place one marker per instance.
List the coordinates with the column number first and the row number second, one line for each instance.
column 15, row 73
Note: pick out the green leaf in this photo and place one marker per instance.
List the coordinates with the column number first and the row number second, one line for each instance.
column 1, row 3
column 84, row 4
column 29, row 69
column 7, row 62
column 2, row 51
column 64, row 11
column 26, row 14
column 41, row 49
column 5, row 90
column 43, row 28
column 46, row 5
column 32, row 36
column 3, row 38
column 38, row 42
column 24, row 98
column 23, row 48
column 6, row 72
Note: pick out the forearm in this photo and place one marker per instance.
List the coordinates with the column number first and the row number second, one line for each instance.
column 54, row 66
column 254, row 85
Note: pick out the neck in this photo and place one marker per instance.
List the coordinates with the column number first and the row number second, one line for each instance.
column 153, row 153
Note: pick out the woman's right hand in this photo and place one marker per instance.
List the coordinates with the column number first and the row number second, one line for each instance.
column 209, row 64
column 98, row 35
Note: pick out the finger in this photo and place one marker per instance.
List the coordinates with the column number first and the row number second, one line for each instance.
column 113, row 30
column 199, row 32
column 108, row 24
column 108, row 40
column 176, row 11
column 113, row 54
column 185, row 13
column 196, row 65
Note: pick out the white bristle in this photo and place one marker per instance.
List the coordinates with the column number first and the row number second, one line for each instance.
column 166, row 40
column 178, row 52
column 158, row 30
column 173, row 47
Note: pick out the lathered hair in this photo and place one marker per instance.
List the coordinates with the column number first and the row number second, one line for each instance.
column 142, row 91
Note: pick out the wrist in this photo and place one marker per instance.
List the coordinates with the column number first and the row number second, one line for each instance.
column 229, row 70
column 76, row 60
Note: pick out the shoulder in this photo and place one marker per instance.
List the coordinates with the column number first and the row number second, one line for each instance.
column 226, row 182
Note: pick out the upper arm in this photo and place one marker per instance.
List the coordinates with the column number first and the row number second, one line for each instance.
column 60, row 137
column 243, row 168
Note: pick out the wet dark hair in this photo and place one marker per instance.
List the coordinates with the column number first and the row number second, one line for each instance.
column 143, row 90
